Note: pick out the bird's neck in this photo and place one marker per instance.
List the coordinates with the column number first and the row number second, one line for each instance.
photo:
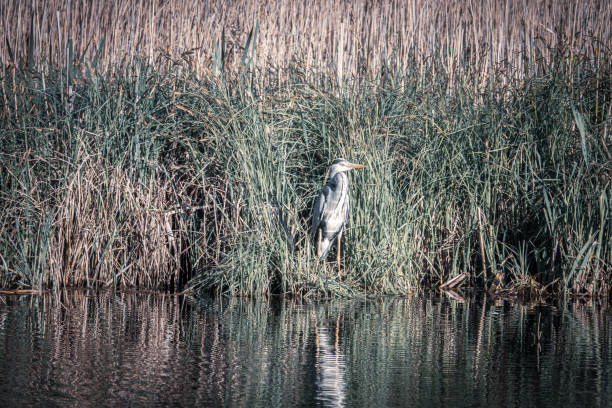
column 339, row 178
column 333, row 173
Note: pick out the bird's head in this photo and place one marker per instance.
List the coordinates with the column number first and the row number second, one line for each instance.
column 339, row 165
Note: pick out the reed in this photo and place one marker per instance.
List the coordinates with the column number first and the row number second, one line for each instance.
column 449, row 38
column 167, row 180
column 158, row 170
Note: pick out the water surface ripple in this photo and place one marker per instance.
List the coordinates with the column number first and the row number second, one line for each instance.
column 149, row 350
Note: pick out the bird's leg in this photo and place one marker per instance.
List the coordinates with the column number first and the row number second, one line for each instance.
column 338, row 255
column 316, row 266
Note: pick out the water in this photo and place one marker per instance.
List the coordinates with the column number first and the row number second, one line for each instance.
column 150, row 350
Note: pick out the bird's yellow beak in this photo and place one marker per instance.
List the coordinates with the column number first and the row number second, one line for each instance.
column 357, row 166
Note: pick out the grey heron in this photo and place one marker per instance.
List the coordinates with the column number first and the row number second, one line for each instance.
column 331, row 208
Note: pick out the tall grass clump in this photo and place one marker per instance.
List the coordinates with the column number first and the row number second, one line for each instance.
column 144, row 178
column 487, row 148
column 95, row 190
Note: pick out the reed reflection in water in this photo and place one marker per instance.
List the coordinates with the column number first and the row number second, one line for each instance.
column 150, row 350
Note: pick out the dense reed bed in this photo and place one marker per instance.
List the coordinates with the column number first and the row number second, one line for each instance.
column 350, row 38
column 164, row 179
column 171, row 145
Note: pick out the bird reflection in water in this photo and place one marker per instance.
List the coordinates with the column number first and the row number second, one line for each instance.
column 331, row 367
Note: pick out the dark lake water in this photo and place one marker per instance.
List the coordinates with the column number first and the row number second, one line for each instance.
column 150, row 350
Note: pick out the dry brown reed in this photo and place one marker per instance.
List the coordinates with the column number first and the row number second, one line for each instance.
column 92, row 246
column 112, row 230
column 449, row 38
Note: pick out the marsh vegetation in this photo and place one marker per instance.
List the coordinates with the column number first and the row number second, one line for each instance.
column 183, row 162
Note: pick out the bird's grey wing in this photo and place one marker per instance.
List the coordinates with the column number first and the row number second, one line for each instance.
column 319, row 208
column 345, row 211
